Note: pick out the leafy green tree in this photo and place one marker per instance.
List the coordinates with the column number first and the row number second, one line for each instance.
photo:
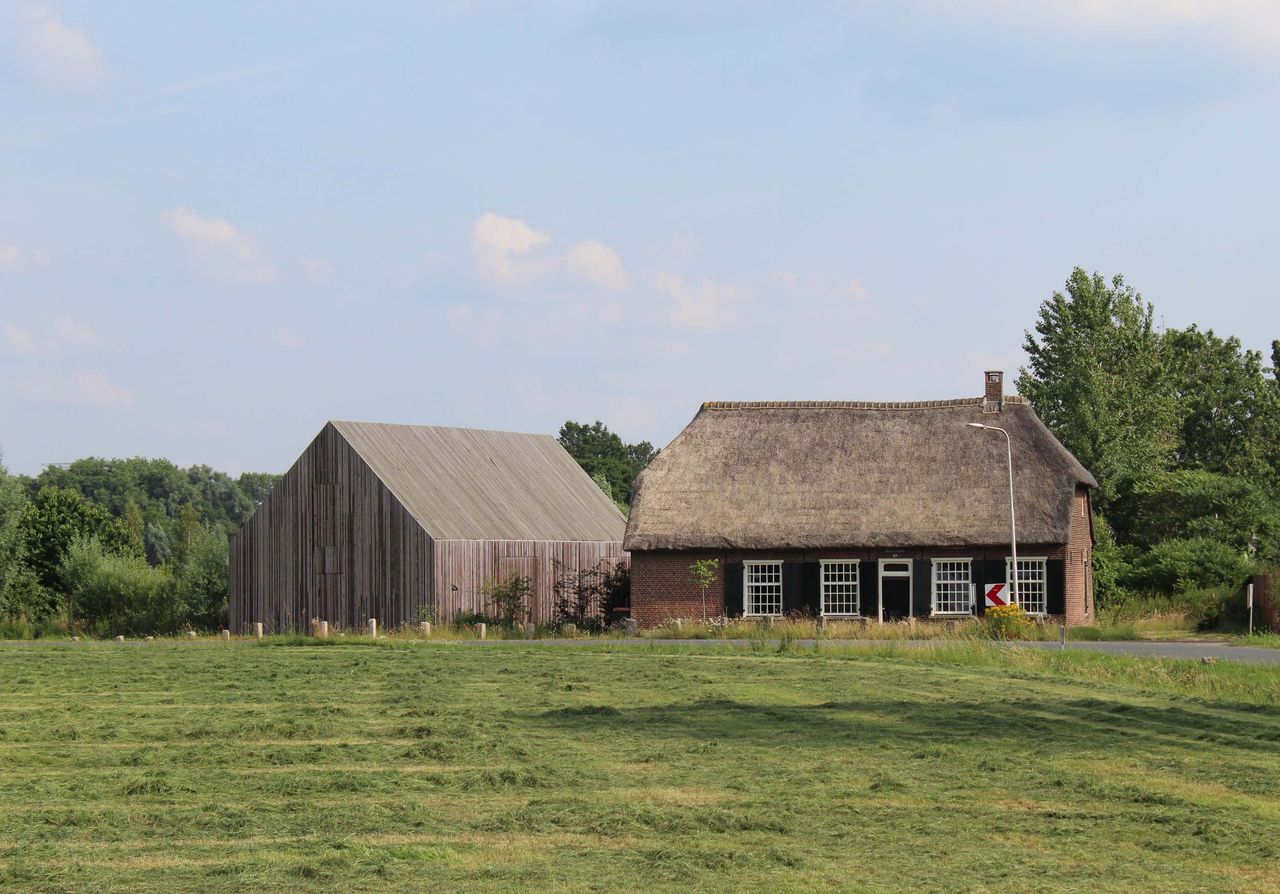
column 1096, row 376
column 12, row 499
column 117, row 593
column 601, row 452
column 1229, row 409
column 200, row 580
column 257, row 485
column 47, row 526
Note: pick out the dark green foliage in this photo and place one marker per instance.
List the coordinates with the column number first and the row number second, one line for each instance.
column 510, row 598
column 601, row 452
column 1181, row 428
column 591, row 598
column 47, row 527
column 257, row 485
column 117, row 593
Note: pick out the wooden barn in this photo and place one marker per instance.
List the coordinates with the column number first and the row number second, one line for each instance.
column 405, row 522
column 850, row 509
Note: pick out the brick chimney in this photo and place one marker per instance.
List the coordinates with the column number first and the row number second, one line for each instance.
column 993, row 397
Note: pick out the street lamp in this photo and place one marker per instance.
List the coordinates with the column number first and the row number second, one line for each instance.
column 1013, row 515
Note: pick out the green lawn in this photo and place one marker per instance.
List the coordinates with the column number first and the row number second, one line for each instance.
column 205, row 767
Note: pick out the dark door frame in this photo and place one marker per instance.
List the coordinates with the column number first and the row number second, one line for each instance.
column 882, row 574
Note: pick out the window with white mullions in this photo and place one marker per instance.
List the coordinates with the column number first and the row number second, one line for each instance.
column 762, row 588
column 952, row 586
column 839, row 588
column 1032, row 589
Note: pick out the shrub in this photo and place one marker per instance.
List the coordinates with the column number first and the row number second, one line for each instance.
column 509, row 599
column 1008, row 622
column 1189, row 564
column 471, row 619
column 118, row 594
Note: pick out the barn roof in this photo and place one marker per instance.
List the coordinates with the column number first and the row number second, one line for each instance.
column 809, row 474
column 472, row 484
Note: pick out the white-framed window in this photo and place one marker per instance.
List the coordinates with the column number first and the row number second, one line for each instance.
column 762, row 588
column 1033, row 583
column 839, row 587
column 952, row 586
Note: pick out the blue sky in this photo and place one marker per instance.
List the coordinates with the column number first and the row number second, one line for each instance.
column 222, row 224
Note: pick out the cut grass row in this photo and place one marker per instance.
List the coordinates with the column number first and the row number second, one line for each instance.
column 950, row 767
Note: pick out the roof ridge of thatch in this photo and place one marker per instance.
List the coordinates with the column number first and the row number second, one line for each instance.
column 852, row 404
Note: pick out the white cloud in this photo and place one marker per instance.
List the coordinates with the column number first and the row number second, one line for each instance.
column 19, row 340
column 503, row 248
column 59, row 55
column 69, row 332
column 318, row 271
column 703, row 305
column 218, row 246
column 88, row 387
column 596, row 264
column 1247, row 21
column 12, row 258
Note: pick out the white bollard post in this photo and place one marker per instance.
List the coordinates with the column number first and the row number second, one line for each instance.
column 373, row 628
column 151, row 639
column 257, row 630
column 191, row 634
column 119, row 639
column 529, row 630
column 425, row 629
column 226, row 636
column 75, row 639
column 569, row 631
column 322, row 629
column 631, row 626
column 482, row 630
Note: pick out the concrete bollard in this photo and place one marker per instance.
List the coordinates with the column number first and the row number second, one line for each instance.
column 481, row 630
column 75, row 639
column 151, row 639
column 630, row 626
column 529, row 630
column 569, row 631
column 226, row 636
column 257, row 630
column 425, row 629
column 678, row 624
column 191, row 634
column 322, row 629
column 373, row 628
column 119, row 639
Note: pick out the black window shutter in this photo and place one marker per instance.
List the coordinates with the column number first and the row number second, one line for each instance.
column 812, row 592
column 792, row 587
column 733, row 589
column 921, row 588
column 986, row 571
column 869, row 588
column 1055, row 587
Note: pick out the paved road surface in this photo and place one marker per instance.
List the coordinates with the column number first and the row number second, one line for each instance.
column 1193, row 651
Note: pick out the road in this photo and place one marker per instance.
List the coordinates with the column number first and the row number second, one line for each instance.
column 1193, row 651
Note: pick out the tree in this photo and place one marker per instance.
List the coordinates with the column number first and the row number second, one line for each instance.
column 1229, row 410
column 257, row 485
column 601, row 452
column 48, row 525
column 509, row 598
column 702, row 574
column 1096, row 377
column 12, row 499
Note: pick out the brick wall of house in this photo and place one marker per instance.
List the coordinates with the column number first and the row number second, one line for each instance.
column 661, row 589
column 1079, row 562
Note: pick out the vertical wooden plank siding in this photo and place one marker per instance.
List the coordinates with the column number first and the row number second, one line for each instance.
column 468, row 564
column 329, row 542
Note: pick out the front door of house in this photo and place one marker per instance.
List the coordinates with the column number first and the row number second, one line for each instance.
column 895, row 589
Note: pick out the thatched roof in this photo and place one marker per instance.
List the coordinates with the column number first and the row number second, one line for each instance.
column 472, row 484
column 837, row 474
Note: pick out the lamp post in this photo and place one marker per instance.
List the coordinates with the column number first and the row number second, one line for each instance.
column 1013, row 515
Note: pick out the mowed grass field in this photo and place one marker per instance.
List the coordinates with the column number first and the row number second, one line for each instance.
column 180, row 768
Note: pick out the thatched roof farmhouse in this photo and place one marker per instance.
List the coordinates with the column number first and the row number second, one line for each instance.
column 877, row 510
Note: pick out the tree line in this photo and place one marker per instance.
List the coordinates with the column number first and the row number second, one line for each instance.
column 1181, row 427
column 120, row 545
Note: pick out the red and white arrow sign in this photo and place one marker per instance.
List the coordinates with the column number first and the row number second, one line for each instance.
column 995, row 594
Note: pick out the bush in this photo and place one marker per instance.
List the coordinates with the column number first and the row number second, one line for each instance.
column 471, row 619
column 1188, row 564
column 118, row 594
column 1008, row 622
column 509, row 599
